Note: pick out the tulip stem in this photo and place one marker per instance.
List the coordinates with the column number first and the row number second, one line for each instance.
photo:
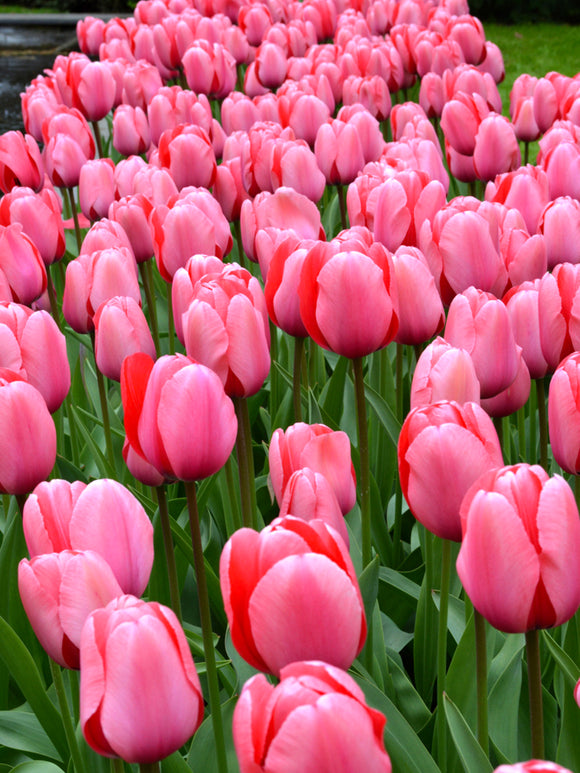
column 21, row 501
column 66, row 716
column 145, row 269
column 535, row 693
column 239, row 244
column 481, row 681
column 245, row 462
column 206, row 626
column 98, row 138
column 297, row 377
column 101, row 383
column 541, row 398
column 169, row 551
column 363, row 450
column 150, row 767
column 117, row 765
column 342, row 205
column 170, row 322
column 75, row 217
column 442, row 652
column 52, row 299
column 397, row 528
column 234, row 521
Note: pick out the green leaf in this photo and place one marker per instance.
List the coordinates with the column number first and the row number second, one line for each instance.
column 472, row 756
column 175, row 763
column 569, row 668
column 25, row 673
column 384, row 414
column 21, row 730
column 369, row 585
column 332, row 395
column 36, row 766
column 202, row 752
column 408, row 700
column 504, row 696
column 425, row 643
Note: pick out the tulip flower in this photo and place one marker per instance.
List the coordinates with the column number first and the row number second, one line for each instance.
column 20, row 162
column 23, row 275
column 290, row 593
column 177, row 146
column 444, row 372
column 140, row 696
column 313, row 701
column 102, row 516
column 58, row 592
column 522, row 303
column 420, row 316
column 97, row 188
column 40, row 215
column 131, row 133
column 309, row 495
column 513, row 397
column 564, row 414
column 525, row 189
column 443, row 449
column 521, row 533
column 559, row 222
column 532, row 766
column 558, row 299
column 121, row 329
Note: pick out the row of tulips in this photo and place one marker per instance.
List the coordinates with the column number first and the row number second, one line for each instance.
column 280, row 134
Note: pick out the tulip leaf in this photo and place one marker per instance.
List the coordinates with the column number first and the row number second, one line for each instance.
column 369, row 586
column 425, row 643
column 37, row 766
column 408, row 700
column 26, row 674
column 175, row 764
column 202, row 752
column 21, row 730
column 384, row 414
column 570, row 669
column 472, row 756
column 504, row 698
column 332, row 395
column 103, row 465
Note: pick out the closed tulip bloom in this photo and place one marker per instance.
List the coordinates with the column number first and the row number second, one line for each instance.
column 184, row 281
column 20, row 162
column 319, row 448
column 532, row 766
column 514, row 397
column 97, row 188
column 103, row 235
column 176, row 149
column 290, row 593
column 420, row 318
column 93, row 86
column 22, row 272
column 177, row 415
column 25, row 338
column 281, row 286
column 68, row 145
column 559, row 310
column 140, row 696
column 310, row 495
column 564, row 414
column 444, row 372
column 121, row 328
column 521, row 533
column 525, row 189
column 522, row 303
column 278, row 729
column 228, row 188
column 460, row 120
column 131, row 133
column 362, row 287
column 226, row 328
column 58, row 592
column 496, row 147
column 559, row 223
column 102, row 516
column 209, row 68
column 40, row 215
column 443, row 449
column 28, row 437
column 339, row 152
column 132, row 213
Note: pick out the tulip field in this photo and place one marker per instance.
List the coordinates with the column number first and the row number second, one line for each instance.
column 290, row 397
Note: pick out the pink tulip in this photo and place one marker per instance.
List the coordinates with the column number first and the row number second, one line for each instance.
column 22, row 272
column 443, row 449
column 319, row 448
column 28, row 434
column 444, row 372
column 309, row 495
column 559, row 310
column 228, row 188
column 132, row 213
column 521, row 533
column 290, row 593
column 460, row 120
column 496, row 147
column 184, row 281
column 564, row 414
column 293, row 165
column 97, row 188
column 525, row 189
column 121, row 329
column 177, row 146
column 172, row 106
column 420, row 318
column 522, row 303
column 532, row 766
column 90, row 34
column 40, row 215
column 102, row 516
column 103, row 235
column 26, row 336
column 20, row 162
column 209, row 68
column 359, row 284
column 559, row 222
column 281, row 285
column 131, row 133
column 93, row 87
column 140, row 696
column 141, row 81
column 68, row 145
column 279, row 728
column 339, row 152
column 58, row 592
column 514, row 397
column 177, row 415
column 561, row 163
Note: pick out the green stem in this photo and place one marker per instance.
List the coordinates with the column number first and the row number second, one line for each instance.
column 169, row 551
column 170, row 323
column 275, row 388
column 241, row 253
column 21, row 501
column 535, row 693
column 481, row 681
column 342, row 206
column 117, row 765
column 522, row 433
column 66, row 716
column 102, row 385
column 541, row 397
column 206, row 626
column 52, row 298
column 234, row 522
column 75, row 217
column 245, row 462
column 363, row 450
column 149, row 767
column 98, row 138
column 297, row 377
column 397, row 528
column 442, row 652
column 146, row 271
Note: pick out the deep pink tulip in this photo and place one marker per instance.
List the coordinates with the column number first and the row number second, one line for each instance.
column 525, row 189
column 185, row 280
column 310, row 495
column 97, row 188
column 559, row 223
column 514, row 397
column 256, row 154
column 420, row 317
column 226, row 328
column 175, row 241
column 68, row 145
column 444, row 372
column 176, row 148
column 92, row 85
column 20, row 162
column 177, row 415
column 522, row 303
column 521, row 533
column 40, row 215
column 22, row 272
column 460, row 121
column 102, row 516
column 279, row 728
column 532, row 766
column 479, row 323
column 25, row 338
column 28, row 436
column 319, row 448
column 131, row 133
column 121, row 329
column 443, row 449
column 339, row 152
column 290, row 593
column 90, row 33
column 172, row 106
column 209, row 69
column 92, row 279
column 281, row 285
column 293, row 165
column 359, row 284
column 140, row 696
column 559, row 310
column 58, row 592
column 132, row 213
column 561, row 163
column 496, row 147
column 564, row 414
column 254, row 20
column 105, row 234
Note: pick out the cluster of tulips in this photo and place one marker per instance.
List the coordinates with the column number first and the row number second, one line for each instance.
column 217, row 212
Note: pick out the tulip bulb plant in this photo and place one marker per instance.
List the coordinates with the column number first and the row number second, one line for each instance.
column 275, row 281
